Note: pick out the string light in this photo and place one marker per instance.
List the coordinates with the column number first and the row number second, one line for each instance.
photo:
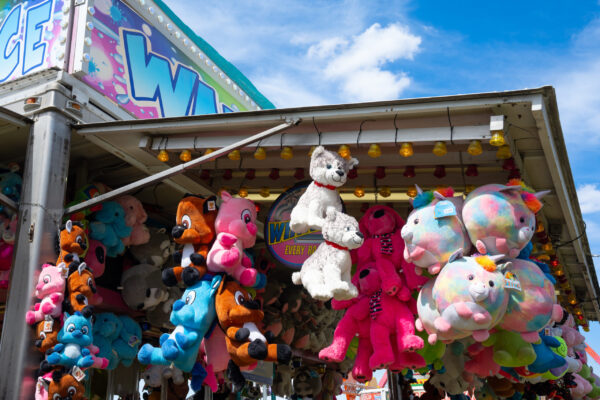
column 205, row 174
column 509, row 164
column 265, row 192
column 185, row 156
column 299, row 174
column 409, row 171
column 374, row 150
column 353, row 173
column 163, row 156
column 440, row 171
column 547, row 247
column 503, row 152
column 260, row 153
column 208, row 151
column 286, row 153
column 440, row 149
column 344, row 151
column 359, row 191
column 228, row 174
column 243, row 192
column 385, row 191
column 572, row 299
column 472, row 170
column 235, row 155
column 364, row 207
column 406, row 149
column 469, row 188
column 514, row 174
column 474, row 148
column 497, row 139
column 412, row 192
column 380, row 172
column 250, row 174
column 274, row 174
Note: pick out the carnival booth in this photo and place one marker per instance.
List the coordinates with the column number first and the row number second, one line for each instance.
column 216, row 247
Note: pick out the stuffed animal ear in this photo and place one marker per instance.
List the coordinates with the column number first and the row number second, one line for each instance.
column 504, row 266
column 225, row 196
column 217, row 283
column 352, row 163
column 419, row 190
column 541, row 194
column 57, row 374
column 331, row 213
column 456, row 255
column 438, row 195
column 81, row 267
column 318, row 151
column 69, row 226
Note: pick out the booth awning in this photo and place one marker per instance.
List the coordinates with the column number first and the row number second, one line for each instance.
column 431, row 142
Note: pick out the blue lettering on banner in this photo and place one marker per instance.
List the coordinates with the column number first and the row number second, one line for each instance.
column 10, row 57
column 151, row 80
column 35, row 48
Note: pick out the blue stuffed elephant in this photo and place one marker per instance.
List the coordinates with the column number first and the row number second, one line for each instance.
column 106, row 330
column 109, row 228
column 128, row 341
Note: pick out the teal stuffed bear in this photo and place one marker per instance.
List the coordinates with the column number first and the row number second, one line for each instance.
column 128, row 342
column 109, row 228
column 106, row 330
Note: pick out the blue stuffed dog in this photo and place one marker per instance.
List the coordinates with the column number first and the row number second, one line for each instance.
column 128, row 341
column 109, row 228
column 106, row 330
column 73, row 338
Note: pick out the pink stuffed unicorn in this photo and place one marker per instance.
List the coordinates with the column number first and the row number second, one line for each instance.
column 50, row 289
column 135, row 216
column 236, row 230
column 391, row 319
column 356, row 321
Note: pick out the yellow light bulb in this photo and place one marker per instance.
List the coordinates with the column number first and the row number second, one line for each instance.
column 385, row 191
column 547, row 247
column 474, row 148
column 412, row 192
column 497, row 139
column 374, row 150
column 286, row 153
column 185, row 156
column 208, row 151
column 540, row 227
column 163, row 156
column 243, row 192
column 265, row 192
column 359, row 191
column 440, row 149
column 260, row 153
column 344, row 151
column 572, row 299
column 312, row 148
column 406, row 149
column 586, row 328
column 559, row 271
column 503, row 152
column 234, row 155
column 469, row 189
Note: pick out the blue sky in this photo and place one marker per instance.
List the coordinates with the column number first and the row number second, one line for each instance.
column 324, row 52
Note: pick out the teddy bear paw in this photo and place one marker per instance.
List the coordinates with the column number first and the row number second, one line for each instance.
column 230, row 257
column 481, row 335
column 248, row 277
column 30, row 317
column 412, row 342
column 190, row 276
column 47, row 308
column 257, row 349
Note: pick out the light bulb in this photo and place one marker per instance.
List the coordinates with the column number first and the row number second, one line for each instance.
column 472, row 170
column 406, row 149
column 439, row 172
column 243, row 192
column 379, row 172
column 374, row 150
column 440, row 149
column 539, row 227
column 265, row 192
column 344, row 151
column 359, row 191
column 385, row 191
column 260, row 153
column 412, row 192
column 163, row 156
column 185, row 156
column 469, row 188
column 312, row 148
column 286, row 153
column 503, row 152
column 547, row 247
column 497, row 139
column 474, row 148
column 409, row 171
column 208, row 151
column 234, row 155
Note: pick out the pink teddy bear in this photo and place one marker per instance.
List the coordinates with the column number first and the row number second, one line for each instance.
column 356, row 321
column 236, row 230
column 50, row 289
column 135, row 216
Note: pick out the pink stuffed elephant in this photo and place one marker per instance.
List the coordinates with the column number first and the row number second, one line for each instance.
column 236, row 230
column 392, row 329
column 135, row 216
column 356, row 321
column 50, row 289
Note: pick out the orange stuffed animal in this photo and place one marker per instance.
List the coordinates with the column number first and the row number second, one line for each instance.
column 47, row 338
column 195, row 230
column 81, row 287
column 73, row 243
column 64, row 386
column 239, row 316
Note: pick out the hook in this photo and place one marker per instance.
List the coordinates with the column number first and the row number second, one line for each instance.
column 451, row 126
column 396, row 135
column 195, row 138
column 316, row 129
column 360, row 130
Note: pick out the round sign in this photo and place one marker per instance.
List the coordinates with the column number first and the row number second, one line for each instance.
column 288, row 247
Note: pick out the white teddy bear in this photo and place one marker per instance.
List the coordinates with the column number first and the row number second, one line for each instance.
column 328, row 171
column 326, row 273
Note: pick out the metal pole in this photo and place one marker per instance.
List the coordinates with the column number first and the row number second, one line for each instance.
column 40, row 212
column 8, row 202
column 393, row 385
column 178, row 169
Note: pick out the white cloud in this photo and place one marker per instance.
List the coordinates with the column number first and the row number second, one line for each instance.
column 589, row 198
column 357, row 64
column 285, row 91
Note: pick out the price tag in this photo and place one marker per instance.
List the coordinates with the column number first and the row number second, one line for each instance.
column 212, row 206
column 444, row 208
column 48, row 324
column 133, row 340
column 511, row 281
column 78, row 374
column 41, row 385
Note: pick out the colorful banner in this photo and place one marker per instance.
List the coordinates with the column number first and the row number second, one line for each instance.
column 31, row 37
column 141, row 70
column 286, row 246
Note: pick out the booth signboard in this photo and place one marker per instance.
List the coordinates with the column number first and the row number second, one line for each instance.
column 145, row 64
column 32, row 36
column 288, row 247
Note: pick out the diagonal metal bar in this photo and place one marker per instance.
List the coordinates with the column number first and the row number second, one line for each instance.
column 180, row 168
column 8, row 202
